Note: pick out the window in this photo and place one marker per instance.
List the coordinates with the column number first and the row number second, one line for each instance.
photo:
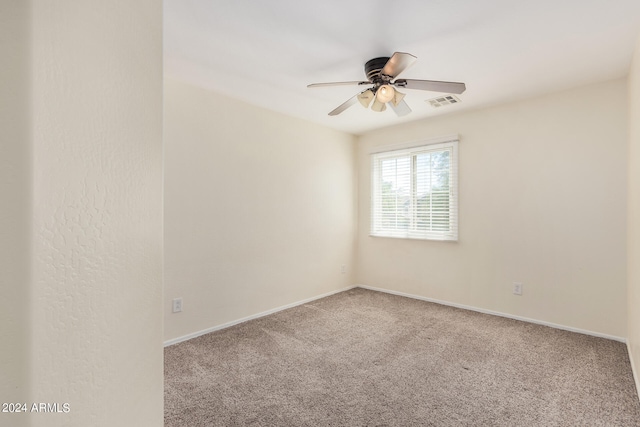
column 414, row 192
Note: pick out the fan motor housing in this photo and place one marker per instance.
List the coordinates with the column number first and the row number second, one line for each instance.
column 373, row 67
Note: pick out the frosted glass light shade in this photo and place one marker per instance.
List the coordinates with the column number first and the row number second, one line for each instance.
column 385, row 93
column 397, row 98
column 378, row 106
column 366, row 97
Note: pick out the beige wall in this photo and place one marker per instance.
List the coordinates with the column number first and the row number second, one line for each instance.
column 85, row 164
column 259, row 209
column 15, row 206
column 81, row 283
column 633, row 242
column 542, row 198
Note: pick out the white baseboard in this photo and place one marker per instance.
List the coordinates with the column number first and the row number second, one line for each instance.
column 497, row 313
column 636, row 379
column 254, row 316
column 418, row 297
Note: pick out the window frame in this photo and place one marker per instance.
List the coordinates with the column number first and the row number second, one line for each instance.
column 412, row 151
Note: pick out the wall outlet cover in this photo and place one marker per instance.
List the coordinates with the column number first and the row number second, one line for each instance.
column 517, row 288
column 177, row 305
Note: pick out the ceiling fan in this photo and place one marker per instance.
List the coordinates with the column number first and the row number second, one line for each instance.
column 381, row 73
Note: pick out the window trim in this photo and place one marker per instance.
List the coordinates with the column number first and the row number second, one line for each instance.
column 412, row 149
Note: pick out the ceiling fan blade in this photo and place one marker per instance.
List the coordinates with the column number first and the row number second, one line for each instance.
column 431, row 85
column 339, row 84
column 348, row 103
column 401, row 109
column 399, row 62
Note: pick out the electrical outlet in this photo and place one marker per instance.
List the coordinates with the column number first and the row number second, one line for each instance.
column 177, row 305
column 343, row 269
column 517, row 288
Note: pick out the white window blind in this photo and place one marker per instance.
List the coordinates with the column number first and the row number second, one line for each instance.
column 414, row 192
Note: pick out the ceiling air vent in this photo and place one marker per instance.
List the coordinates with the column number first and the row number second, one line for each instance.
column 441, row 101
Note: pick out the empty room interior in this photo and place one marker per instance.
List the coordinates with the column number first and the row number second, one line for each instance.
column 213, row 215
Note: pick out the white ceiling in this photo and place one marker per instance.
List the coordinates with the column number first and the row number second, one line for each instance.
column 266, row 52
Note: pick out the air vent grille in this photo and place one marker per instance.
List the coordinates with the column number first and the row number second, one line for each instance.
column 441, row 101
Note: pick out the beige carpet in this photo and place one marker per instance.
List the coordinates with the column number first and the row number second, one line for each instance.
column 365, row 358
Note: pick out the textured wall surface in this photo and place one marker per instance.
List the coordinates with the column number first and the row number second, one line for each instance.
column 543, row 201
column 15, row 209
column 633, row 241
column 97, row 219
column 260, row 209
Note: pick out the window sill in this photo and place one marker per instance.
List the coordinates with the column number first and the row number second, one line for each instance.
column 431, row 239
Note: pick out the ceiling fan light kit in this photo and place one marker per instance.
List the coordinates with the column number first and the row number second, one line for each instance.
column 385, row 93
column 397, row 97
column 366, row 97
column 381, row 73
column 378, row 106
